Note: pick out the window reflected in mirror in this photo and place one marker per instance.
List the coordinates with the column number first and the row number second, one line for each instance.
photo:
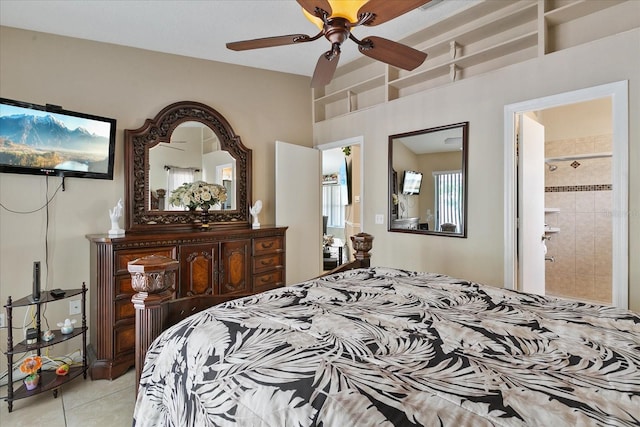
column 427, row 181
column 193, row 154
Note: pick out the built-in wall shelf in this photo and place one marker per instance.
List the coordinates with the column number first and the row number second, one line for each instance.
column 347, row 97
column 482, row 37
column 454, row 66
column 356, row 88
column 547, row 228
column 574, row 9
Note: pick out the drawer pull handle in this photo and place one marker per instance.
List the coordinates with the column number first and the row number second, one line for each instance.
column 267, row 261
column 267, row 245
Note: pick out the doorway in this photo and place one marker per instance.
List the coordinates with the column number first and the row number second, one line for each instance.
column 615, row 238
column 341, row 199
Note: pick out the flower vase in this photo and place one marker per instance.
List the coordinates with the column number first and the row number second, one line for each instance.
column 195, row 219
column 204, row 218
column 31, row 381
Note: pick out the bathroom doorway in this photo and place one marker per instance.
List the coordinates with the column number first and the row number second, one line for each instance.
column 585, row 190
column 578, row 200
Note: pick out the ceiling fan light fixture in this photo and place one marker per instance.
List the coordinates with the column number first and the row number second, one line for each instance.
column 347, row 9
column 336, row 18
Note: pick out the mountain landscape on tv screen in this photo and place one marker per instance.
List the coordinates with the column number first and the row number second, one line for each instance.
column 46, row 142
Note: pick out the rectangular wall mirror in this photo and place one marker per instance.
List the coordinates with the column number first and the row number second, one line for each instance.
column 428, row 182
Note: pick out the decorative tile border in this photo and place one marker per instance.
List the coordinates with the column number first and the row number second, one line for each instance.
column 571, row 188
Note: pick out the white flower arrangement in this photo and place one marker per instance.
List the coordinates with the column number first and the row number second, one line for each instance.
column 198, row 194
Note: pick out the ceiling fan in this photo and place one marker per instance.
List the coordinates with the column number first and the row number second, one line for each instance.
column 336, row 18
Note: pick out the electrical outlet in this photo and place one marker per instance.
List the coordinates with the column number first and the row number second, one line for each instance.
column 379, row 218
column 2, row 325
column 74, row 307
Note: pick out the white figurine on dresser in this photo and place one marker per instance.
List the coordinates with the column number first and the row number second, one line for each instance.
column 255, row 210
column 115, row 214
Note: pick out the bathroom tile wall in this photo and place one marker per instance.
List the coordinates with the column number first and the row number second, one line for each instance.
column 582, row 192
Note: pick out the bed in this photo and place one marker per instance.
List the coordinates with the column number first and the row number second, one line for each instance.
column 389, row 347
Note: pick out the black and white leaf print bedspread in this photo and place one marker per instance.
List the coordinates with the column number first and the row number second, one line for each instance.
column 388, row 347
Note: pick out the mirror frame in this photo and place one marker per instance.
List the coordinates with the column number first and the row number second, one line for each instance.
column 138, row 216
column 392, row 177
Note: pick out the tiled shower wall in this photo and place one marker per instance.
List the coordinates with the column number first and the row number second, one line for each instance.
column 582, row 192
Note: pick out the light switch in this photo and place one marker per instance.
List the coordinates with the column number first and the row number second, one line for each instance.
column 379, row 218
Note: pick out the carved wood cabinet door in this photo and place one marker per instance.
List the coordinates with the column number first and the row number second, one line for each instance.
column 215, row 268
column 198, row 269
column 234, row 272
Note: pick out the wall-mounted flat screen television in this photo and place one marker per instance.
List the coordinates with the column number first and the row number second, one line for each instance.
column 47, row 140
column 411, row 181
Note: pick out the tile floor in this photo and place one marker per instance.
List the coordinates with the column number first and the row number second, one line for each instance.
column 80, row 403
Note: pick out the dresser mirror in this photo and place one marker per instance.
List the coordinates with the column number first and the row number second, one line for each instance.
column 184, row 143
column 427, row 181
column 194, row 153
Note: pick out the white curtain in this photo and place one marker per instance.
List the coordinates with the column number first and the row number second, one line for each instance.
column 176, row 177
column 333, row 205
column 448, row 201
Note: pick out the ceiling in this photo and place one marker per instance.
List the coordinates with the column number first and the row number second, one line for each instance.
column 200, row 29
column 439, row 141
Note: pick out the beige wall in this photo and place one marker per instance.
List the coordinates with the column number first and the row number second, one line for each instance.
column 577, row 120
column 129, row 85
column 481, row 101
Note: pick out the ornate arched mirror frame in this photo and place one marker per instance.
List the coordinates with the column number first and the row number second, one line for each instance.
column 138, row 215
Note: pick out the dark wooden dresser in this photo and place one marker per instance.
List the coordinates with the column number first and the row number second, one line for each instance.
column 215, row 262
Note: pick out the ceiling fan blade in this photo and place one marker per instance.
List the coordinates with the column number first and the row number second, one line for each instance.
column 386, row 10
column 392, row 53
column 311, row 5
column 325, row 68
column 269, row 42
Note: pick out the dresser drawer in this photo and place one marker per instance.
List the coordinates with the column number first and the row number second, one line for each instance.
column 123, row 286
column 270, row 280
column 265, row 245
column 267, row 262
column 124, row 256
column 124, row 339
column 123, row 309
